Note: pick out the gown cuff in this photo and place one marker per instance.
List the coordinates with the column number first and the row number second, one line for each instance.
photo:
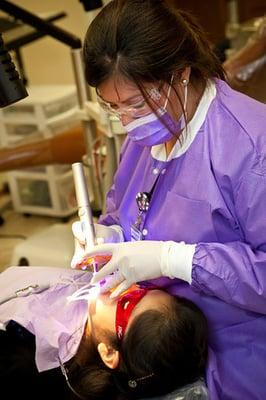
column 119, row 230
column 178, row 260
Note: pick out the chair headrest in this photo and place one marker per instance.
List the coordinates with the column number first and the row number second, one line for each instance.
column 193, row 391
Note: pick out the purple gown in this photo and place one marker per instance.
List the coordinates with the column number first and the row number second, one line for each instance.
column 213, row 195
column 57, row 323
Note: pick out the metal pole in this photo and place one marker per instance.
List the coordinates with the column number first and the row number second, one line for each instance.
column 89, row 125
column 40, row 24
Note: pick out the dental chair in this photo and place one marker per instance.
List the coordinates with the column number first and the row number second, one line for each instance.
column 193, row 391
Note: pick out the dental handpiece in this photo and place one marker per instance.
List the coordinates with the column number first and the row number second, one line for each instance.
column 84, row 208
column 92, row 264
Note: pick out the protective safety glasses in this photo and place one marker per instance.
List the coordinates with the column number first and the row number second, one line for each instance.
column 140, row 108
column 125, row 305
column 137, row 110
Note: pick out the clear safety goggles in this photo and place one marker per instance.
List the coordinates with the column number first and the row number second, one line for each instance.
column 140, row 108
column 137, row 110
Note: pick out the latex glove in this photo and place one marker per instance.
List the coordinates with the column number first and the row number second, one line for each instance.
column 138, row 261
column 104, row 234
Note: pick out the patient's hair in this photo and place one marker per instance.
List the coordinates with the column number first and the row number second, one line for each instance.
column 162, row 350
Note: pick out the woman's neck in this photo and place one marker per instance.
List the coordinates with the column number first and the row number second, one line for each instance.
column 194, row 96
column 195, row 93
column 170, row 145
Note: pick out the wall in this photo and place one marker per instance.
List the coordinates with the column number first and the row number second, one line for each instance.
column 47, row 61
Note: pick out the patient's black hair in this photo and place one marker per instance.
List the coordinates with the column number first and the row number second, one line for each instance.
column 163, row 349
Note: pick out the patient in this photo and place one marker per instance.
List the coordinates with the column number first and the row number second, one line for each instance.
column 143, row 344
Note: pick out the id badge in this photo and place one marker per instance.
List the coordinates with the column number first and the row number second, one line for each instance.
column 136, row 234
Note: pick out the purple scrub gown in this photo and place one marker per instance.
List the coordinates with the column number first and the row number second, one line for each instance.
column 212, row 195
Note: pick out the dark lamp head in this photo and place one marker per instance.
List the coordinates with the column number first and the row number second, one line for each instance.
column 12, row 88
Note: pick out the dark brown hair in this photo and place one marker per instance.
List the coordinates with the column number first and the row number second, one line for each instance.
column 167, row 347
column 146, row 41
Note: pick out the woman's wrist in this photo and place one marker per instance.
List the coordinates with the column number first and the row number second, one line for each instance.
column 177, row 260
column 120, row 232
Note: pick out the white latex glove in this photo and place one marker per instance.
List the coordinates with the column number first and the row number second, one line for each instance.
column 138, row 261
column 104, row 234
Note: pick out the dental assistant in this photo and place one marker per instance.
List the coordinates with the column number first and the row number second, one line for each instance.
column 188, row 199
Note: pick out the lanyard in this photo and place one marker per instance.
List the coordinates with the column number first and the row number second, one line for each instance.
column 143, row 200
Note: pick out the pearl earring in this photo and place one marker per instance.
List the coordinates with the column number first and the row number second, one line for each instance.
column 184, row 82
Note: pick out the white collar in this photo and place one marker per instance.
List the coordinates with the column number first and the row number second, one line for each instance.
column 158, row 151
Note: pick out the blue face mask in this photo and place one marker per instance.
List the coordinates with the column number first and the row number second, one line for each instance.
column 150, row 131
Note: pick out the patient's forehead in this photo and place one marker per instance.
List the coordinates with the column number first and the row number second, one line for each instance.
column 150, row 300
column 155, row 299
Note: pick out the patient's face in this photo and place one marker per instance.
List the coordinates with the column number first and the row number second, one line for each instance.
column 102, row 310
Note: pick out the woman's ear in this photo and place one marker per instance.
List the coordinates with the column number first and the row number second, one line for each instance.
column 186, row 74
column 109, row 355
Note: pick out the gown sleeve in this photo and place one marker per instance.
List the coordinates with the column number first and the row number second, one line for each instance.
column 111, row 217
column 236, row 272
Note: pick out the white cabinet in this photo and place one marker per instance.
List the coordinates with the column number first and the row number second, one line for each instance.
column 48, row 111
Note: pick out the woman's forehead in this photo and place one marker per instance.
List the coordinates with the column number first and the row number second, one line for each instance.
column 118, row 90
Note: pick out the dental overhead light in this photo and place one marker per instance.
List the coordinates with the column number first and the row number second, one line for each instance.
column 12, row 88
column 90, row 5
